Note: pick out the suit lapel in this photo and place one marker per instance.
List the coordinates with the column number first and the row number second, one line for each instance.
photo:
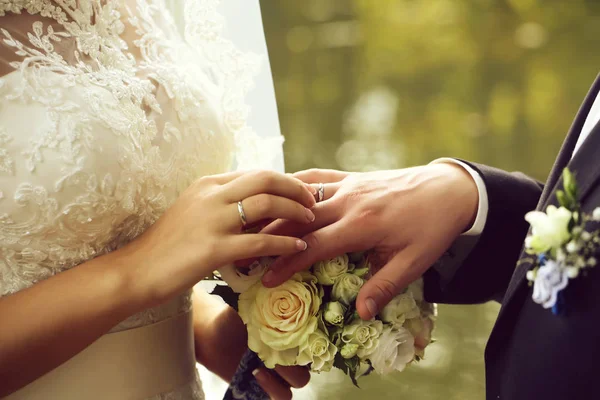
column 585, row 165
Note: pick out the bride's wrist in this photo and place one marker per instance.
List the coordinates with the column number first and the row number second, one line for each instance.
column 132, row 266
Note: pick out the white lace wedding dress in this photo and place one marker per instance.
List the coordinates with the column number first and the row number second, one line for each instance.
column 107, row 113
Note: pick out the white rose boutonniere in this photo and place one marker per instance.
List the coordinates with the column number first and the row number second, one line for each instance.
column 560, row 245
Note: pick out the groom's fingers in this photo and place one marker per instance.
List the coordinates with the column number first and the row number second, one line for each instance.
column 404, row 268
column 320, row 175
column 322, row 244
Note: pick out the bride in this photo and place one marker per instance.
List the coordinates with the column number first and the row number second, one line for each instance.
column 117, row 137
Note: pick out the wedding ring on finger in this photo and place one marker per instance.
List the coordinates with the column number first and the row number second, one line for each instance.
column 242, row 214
column 320, row 193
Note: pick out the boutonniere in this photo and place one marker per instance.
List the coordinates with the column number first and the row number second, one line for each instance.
column 561, row 248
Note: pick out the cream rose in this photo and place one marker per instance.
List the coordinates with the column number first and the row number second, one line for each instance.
column 346, row 288
column 550, row 230
column 365, row 334
column 281, row 319
column 401, row 308
column 329, row 271
column 317, row 351
column 395, row 349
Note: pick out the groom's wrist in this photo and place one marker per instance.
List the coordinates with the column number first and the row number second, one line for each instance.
column 479, row 214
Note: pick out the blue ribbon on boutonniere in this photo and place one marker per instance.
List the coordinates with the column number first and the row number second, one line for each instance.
column 559, row 307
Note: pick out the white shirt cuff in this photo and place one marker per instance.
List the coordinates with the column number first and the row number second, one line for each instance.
column 482, row 209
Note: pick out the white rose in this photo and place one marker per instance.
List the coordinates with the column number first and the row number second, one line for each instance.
column 550, row 230
column 394, row 351
column 334, row 313
column 240, row 281
column 281, row 319
column 365, row 334
column 401, row 308
column 317, row 351
column 329, row 271
column 346, row 288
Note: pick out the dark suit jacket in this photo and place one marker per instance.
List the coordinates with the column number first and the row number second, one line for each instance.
column 533, row 354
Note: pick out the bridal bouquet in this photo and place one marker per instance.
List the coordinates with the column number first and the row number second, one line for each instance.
column 311, row 319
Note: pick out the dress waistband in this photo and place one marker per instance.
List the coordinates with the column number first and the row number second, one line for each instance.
column 129, row 365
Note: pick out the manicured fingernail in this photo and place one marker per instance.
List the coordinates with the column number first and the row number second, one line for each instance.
column 256, row 372
column 268, row 277
column 301, row 245
column 371, row 306
column 309, row 215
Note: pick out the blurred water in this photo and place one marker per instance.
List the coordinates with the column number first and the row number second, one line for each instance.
column 364, row 84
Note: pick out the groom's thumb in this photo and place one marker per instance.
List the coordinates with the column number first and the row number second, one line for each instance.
column 388, row 282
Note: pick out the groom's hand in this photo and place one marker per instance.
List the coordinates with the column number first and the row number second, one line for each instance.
column 410, row 217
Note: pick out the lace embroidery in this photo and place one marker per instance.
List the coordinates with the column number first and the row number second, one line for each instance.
column 97, row 144
column 6, row 161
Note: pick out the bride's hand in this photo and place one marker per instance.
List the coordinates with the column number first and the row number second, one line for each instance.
column 202, row 230
column 221, row 340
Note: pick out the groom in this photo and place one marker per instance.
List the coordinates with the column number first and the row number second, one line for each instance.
column 470, row 219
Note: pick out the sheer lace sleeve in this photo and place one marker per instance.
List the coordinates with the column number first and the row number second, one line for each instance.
column 107, row 113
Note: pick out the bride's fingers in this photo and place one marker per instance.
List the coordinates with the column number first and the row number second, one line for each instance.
column 269, row 182
column 275, row 388
column 260, row 245
column 325, row 213
column 264, row 206
column 297, row 377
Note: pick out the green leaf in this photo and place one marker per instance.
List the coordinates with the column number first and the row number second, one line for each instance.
column 228, row 295
column 340, row 363
column 353, row 364
column 562, row 198
column 351, row 314
column 570, row 185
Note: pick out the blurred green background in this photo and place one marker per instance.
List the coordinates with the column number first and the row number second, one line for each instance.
column 376, row 84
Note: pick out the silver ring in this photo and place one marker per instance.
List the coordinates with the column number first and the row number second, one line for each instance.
column 242, row 213
column 321, row 193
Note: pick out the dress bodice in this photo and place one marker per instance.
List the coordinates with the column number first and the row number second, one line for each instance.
column 107, row 112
